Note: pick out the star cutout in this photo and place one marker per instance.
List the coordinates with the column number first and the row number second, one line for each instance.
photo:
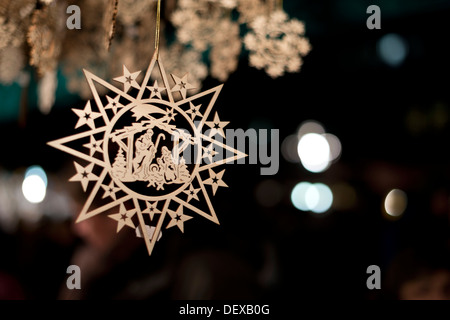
column 128, row 79
column 182, row 85
column 178, row 218
column 93, row 146
column 84, row 174
column 113, row 104
column 170, row 114
column 86, row 116
column 192, row 193
column 215, row 180
column 110, row 190
column 155, row 90
column 152, row 209
column 209, row 152
column 115, row 183
column 123, row 217
column 194, row 110
column 217, row 126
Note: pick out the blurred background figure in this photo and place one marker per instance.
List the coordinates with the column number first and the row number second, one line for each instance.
column 419, row 274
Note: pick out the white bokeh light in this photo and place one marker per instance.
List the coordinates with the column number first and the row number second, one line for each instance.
column 298, row 196
column 395, row 203
column 392, row 49
column 316, row 197
column 324, row 198
column 34, row 188
column 314, row 152
column 37, row 171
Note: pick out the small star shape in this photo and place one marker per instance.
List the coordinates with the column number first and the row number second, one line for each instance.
column 152, row 209
column 170, row 114
column 155, row 90
column 217, row 126
column 192, row 193
column 113, row 104
column 194, row 110
column 86, row 116
column 209, row 152
column 182, row 85
column 93, row 146
column 128, row 79
column 110, row 190
column 123, row 217
column 178, row 218
column 84, row 174
column 215, row 180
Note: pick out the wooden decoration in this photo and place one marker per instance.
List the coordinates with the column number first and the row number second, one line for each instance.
column 149, row 152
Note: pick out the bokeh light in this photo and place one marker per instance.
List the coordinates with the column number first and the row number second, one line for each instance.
column 289, row 149
column 392, row 49
column 316, row 197
column 395, row 203
column 34, row 188
column 314, row 152
column 37, row 171
column 298, row 196
column 324, row 198
column 310, row 126
column 335, row 146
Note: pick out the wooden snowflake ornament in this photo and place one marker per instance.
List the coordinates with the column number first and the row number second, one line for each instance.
column 149, row 151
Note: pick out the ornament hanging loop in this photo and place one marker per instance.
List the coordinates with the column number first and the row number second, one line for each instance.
column 158, row 28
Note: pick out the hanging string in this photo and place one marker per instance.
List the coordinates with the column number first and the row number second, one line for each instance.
column 158, row 26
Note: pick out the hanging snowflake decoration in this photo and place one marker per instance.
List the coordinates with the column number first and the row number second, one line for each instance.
column 225, row 52
column 181, row 59
column 149, row 154
column 277, row 44
column 201, row 23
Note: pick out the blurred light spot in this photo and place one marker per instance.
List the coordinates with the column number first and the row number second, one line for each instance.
column 289, row 149
column 37, row 171
column 312, row 197
column 298, row 196
column 314, row 152
column 269, row 193
column 344, row 196
column 395, row 203
column 320, row 196
column 335, row 146
column 34, row 188
column 316, row 197
column 392, row 49
column 310, row 126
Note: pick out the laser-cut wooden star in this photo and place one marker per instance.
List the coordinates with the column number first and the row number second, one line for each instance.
column 192, row 193
column 113, row 104
column 128, row 79
column 86, row 116
column 155, row 90
column 110, row 190
column 93, row 146
column 178, row 218
column 194, row 110
column 217, row 126
column 182, row 85
column 215, row 180
column 84, row 174
column 117, row 166
column 123, row 217
column 152, row 209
